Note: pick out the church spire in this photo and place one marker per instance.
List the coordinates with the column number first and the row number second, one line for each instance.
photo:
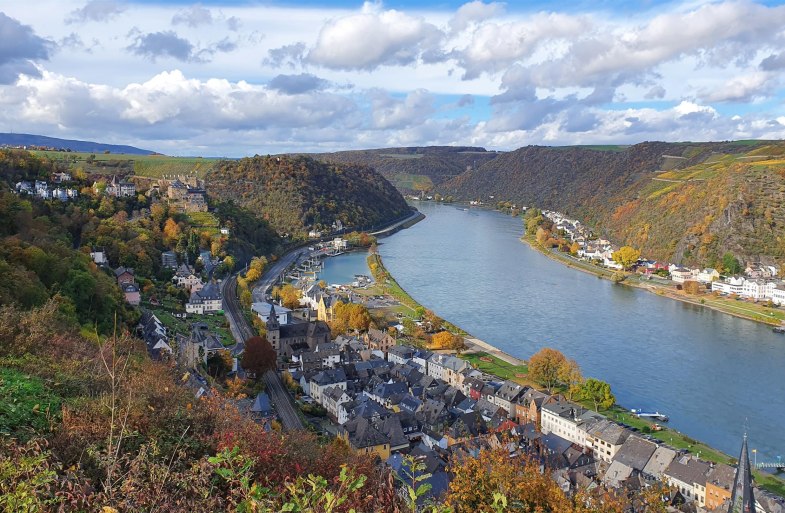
column 742, row 500
column 272, row 319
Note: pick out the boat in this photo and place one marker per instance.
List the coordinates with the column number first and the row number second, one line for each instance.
column 779, row 329
column 650, row 415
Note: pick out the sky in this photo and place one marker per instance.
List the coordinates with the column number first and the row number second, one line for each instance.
column 244, row 77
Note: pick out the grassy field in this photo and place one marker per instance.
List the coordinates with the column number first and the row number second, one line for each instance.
column 414, row 182
column 205, row 222
column 217, row 323
column 498, row 367
column 153, row 166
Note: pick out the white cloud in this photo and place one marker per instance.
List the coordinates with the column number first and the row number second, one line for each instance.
column 743, row 88
column 372, row 38
column 474, row 12
column 96, row 10
column 193, row 16
column 392, row 113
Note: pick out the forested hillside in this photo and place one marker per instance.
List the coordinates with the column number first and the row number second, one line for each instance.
column 415, row 168
column 688, row 202
column 296, row 194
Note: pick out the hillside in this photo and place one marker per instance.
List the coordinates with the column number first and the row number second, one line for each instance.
column 8, row 139
column 415, row 168
column 296, row 194
column 688, row 202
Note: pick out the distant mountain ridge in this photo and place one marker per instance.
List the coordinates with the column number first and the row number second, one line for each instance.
column 415, row 168
column 13, row 139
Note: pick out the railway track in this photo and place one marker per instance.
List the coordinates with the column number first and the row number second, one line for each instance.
column 242, row 332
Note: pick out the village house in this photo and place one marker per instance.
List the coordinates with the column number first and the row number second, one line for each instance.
column 708, row 275
column 719, row 484
column 131, row 293
column 325, row 379
column 124, row 275
column 682, row 274
column 379, row 340
column 206, row 300
column 187, row 279
column 732, row 285
column 446, row 368
column 566, row 419
column 757, row 289
column 364, row 438
column 688, row 474
column 169, row 259
column 507, row 395
column 98, row 256
column 604, row 437
column 199, row 346
column 263, row 309
column 400, row 354
column 119, row 188
column 332, row 398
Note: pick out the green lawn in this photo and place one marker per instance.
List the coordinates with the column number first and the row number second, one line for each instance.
column 153, row 166
column 217, row 323
column 27, row 407
column 205, row 222
column 498, row 367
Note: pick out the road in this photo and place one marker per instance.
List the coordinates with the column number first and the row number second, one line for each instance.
column 242, row 331
column 273, row 273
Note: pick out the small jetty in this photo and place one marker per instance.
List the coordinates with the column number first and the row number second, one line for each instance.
column 779, row 329
column 650, row 415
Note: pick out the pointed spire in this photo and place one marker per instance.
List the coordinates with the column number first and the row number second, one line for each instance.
column 742, row 500
column 272, row 319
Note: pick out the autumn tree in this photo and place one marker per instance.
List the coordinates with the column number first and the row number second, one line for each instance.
column 626, row 256
column 691, row 287
column 481, row 483
column 546, row 366
column 350, row 316
column 542, row 235
column 433, row 321
column 441, row 340
column 172, row 232
column 259, row 356
column 574, row 248
column 290, row 296
column 598, row 392
column 570, row 375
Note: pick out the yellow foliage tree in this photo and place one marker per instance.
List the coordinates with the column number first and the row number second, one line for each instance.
column 626, row 256
column 442, row 340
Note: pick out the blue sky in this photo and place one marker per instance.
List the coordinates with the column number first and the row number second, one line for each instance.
column 244, row 77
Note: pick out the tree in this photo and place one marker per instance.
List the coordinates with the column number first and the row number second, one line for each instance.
column 441, row 340
column 542, row 235
column 172, row 232
column 546, row 365
column 626, row 256
column 570, row 375
column 691, row 287
column 730, row 264
column 598, row 392
column 574, row 248
column 259, row 356
column 433, row 321
column 290, row 296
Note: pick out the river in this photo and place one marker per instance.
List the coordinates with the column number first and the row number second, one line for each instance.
column 710, row 372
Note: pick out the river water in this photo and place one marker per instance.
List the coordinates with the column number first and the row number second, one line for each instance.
column 708, row 371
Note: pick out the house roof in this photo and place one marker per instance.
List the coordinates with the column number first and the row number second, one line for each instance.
column 722, row 476
column 688, row 469
column 509, row 391
column 329, row 377
column 362, row 433
column 659, row 461
column 122, row 270
column 635, row 452
column 262, row 404
column 608, row 431
column 616, row 474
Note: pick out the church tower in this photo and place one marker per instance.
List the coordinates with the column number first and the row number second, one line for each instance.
column 742, row 500
column 274, row 330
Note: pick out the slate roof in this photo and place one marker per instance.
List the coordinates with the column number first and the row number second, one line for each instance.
column 659, row 461
column 391, row 427
column 509, row 391
column 722, row 476
column 607, row 431
column 635, row 452
column 329, row 377
column 362, row 433
column 688, row 470
column 468, row 425
column 262, row 404
column 616, row 474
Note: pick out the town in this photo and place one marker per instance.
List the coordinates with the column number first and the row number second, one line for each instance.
column 387, row 400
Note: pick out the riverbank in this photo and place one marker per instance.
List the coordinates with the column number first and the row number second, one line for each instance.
column 488, row 359
column 737, row 308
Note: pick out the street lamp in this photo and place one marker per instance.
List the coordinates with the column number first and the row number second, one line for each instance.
column 755, row 455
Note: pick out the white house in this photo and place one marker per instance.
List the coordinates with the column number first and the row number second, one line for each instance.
column 708, row 275
column 446, row 368
column 323, row 380
column 332, row 399
column 206, row 300
column 340, row 244
column 778, row 294
column 732, row 285
column 98, row 256
column 757, row 289
column 262, row 310
column 681, row 274
column 566, row 420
